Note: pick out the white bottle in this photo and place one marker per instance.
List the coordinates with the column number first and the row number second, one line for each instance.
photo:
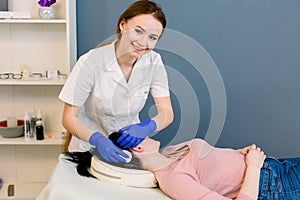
column 27, row 126
column 12, row 121
column 25, row 71
column 39, row 115
column 32, row 121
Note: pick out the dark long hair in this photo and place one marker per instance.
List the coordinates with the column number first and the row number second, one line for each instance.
column 83, row 161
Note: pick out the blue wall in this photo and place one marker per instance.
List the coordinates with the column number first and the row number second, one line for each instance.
column 256, row 47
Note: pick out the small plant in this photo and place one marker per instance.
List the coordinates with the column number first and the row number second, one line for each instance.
column 46, row 3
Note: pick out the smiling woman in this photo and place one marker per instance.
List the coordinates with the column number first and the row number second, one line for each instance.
column 139, row 36
column 109, row 85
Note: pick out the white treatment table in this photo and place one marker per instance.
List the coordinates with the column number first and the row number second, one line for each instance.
column 65, row 183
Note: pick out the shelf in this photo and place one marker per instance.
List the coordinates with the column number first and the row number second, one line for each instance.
column 22, row 190
column 33, row 21
column 31, row 82
column 42, row 45
column 53, row 139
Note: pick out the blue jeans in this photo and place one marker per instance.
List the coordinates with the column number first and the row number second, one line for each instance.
column 280, row 179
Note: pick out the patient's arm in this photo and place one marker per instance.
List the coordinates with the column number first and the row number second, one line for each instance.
column 254, row 160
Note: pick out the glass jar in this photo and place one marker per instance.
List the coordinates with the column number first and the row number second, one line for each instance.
column 47, row 12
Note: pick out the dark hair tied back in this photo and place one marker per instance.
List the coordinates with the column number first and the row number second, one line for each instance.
column 142, row 7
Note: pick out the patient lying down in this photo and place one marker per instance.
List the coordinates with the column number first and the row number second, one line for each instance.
column 196, row 170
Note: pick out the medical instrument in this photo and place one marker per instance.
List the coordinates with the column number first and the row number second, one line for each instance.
column 129, row 154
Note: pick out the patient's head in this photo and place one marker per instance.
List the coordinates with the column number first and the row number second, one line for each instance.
column 147, row 146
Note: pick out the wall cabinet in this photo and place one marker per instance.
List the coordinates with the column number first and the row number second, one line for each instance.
column 41, row 45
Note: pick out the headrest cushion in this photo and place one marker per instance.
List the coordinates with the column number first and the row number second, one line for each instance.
column 129, row 177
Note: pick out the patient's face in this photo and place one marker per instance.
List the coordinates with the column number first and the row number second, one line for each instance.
column 148, row 145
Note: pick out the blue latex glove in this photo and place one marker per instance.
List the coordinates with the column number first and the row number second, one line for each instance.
column 107, row 149
column 134, row 134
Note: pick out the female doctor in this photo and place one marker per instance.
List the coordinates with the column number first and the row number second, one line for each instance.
column 109, row 85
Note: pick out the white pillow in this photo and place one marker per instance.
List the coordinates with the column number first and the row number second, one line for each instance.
column 129, row 177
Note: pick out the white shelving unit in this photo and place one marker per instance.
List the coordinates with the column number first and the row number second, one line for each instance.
column 50, row 139
column 41, row 82
column 33, row 21
column 41, row 45
column 24, row 191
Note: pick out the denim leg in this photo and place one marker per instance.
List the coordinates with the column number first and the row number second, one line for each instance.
column 280, row 179
column 290, row 160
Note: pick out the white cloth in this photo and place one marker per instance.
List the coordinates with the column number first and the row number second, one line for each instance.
column 108, row 102
column 65, row 183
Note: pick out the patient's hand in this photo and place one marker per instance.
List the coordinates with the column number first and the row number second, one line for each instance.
column 255, row 157
column 244, row 150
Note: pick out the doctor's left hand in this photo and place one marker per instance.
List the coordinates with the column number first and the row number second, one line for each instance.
column 107, row 149
column 134, row 134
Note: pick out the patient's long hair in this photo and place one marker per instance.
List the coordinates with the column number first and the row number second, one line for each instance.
column 83, row 159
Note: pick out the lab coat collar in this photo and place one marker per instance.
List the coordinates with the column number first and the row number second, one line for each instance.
column 110, row 59
column 111, row 65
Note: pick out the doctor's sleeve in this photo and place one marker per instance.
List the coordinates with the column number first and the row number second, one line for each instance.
column 182, row 186
column 79, row 83
column 159, row 84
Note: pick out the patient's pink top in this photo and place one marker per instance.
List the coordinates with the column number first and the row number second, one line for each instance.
column 206, row 173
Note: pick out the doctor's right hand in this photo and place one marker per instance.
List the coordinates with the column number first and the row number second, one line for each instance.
column 107, row 149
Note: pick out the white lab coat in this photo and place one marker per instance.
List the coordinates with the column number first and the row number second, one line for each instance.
column 107, row 101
